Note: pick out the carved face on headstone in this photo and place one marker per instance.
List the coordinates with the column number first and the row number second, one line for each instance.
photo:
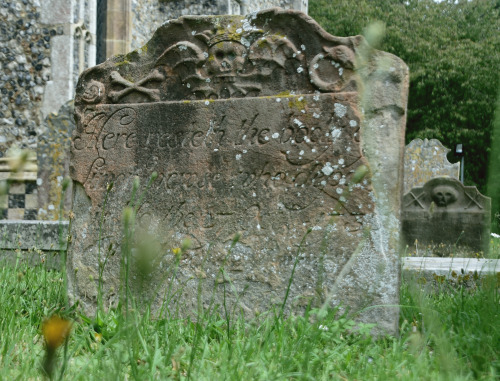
column 444, row 195
column 226, row 58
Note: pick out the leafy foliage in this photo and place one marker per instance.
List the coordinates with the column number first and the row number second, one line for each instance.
column 493, row 170
column 453, row 51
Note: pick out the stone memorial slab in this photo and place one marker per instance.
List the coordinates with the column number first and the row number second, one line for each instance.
column 53, row 156
column 250, row 125
column 444, row 211
column 426, row 159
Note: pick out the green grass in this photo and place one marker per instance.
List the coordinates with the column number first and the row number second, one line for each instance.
column 452, row 335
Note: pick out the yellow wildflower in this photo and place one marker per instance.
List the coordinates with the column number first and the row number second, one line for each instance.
column 55, row 330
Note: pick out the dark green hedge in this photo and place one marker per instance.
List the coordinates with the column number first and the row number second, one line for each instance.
column 453, row 52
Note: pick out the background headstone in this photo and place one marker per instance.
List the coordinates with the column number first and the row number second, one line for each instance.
column 444, row 211
column 253, row 125
column 53, row 158
column 426, row 159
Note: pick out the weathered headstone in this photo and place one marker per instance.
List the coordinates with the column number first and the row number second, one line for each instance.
column 426, row 159
column 252, row 125
column 444, row 211
column 53, row 158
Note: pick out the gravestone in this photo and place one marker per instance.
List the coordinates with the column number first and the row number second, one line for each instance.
column 426, row 159
column 444, row 211
column 252, row 126
column 53, row 158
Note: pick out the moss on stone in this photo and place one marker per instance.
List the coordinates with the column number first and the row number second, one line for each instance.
column 285, row 93
column 121, row 63
column 295, row 103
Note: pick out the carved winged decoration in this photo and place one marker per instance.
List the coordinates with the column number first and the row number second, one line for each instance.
column 226, row 57
column 444, row 193
column 229, row 65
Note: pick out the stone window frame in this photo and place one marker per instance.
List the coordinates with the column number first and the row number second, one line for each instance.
column 118, row 36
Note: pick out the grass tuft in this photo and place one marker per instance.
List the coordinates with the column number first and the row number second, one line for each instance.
column 445, row 335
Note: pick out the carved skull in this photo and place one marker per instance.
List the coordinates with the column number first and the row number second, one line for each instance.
column 226, row 58
column 444, row 195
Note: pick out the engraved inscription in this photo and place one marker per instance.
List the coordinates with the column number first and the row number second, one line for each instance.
column 106, row 141
column 299, row 156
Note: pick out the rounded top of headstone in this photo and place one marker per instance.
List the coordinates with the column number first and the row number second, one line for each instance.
column 427, row 144
column 426, row 159
column 267, row 53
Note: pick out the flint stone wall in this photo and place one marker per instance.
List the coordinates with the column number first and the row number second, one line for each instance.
column 426, row 159
column 44, row 46
column 444, row 211
column 252, row 125
column 25, row 69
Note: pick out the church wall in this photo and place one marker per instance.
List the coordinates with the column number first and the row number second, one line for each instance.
column 25, row 69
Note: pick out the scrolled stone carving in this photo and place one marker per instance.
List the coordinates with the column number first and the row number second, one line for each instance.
column 94, row 92
column 269, row 52
column 181, row 53
column 331, row 70
column 229, row 65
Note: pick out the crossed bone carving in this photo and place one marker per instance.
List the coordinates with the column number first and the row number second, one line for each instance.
column 117, row 79
column 473, row 200
column 415, row 198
